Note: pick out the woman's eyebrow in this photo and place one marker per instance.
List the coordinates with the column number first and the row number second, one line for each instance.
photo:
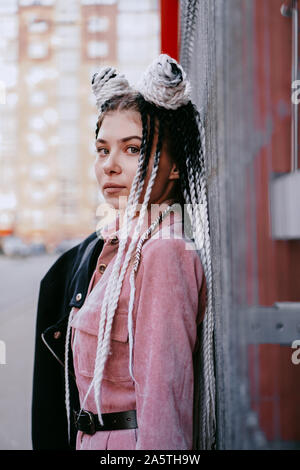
column 124, row 139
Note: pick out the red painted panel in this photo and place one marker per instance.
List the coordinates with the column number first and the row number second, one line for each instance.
column 267, row 418
column 169, row 27
column 277, row 261
column 289, row 387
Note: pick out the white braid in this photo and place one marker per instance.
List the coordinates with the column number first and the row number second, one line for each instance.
column 207, row 388
column 111, row 286
column 208, row 323
column 208, row 403
column 67, row 388
column 107, row 83
column 103, row 351
column 207, row 381
column 129, row 212
column 164, row 83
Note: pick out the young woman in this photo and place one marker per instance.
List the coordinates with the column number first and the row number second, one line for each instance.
column 147, row 309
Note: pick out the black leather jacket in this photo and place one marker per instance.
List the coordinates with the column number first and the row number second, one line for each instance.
column 64, row 286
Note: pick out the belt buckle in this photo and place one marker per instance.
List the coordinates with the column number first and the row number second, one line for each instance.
column 87, row 423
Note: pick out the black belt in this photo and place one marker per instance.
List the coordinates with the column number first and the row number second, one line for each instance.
column 89, row 423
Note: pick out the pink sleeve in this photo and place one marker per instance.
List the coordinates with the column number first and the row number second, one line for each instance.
column 166, row 312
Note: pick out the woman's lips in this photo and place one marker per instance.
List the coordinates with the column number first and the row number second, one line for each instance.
column 113, row 190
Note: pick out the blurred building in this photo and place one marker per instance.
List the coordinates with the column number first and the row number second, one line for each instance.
column 8, row 115
column 51, row 49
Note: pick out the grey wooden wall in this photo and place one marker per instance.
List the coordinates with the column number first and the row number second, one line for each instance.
column 217, row 52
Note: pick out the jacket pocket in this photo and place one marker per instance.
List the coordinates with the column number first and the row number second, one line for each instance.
column 117, row 364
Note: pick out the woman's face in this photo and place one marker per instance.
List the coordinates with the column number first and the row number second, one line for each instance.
column 118, row 146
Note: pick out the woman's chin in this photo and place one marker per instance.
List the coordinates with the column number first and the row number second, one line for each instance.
column 117, row 202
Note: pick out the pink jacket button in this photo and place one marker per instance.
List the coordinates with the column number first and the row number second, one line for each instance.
column 114, row 240
column 102, row 268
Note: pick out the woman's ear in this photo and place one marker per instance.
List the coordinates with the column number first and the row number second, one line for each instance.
column 174, row 173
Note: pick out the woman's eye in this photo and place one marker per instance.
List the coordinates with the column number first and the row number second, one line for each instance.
column 133, row 149
column 102, row 151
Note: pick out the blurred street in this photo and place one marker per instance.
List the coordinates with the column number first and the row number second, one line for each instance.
column 20, row 278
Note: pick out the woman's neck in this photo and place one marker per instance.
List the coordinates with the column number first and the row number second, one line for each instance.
column 152, row 211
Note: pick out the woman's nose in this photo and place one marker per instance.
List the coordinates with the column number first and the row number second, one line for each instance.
column 112, row 162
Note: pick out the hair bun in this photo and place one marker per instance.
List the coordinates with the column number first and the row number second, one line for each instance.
column 108, row 83
column 164, row 83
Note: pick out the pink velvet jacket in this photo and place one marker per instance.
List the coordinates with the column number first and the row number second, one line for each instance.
column 169, row 304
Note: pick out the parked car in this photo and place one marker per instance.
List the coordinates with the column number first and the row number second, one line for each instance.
column 14, row 246
column 37, row 248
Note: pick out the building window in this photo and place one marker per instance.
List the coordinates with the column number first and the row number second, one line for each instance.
column 98, row 24
column 96, row 49
column 38, row 26
column 38, row 98
column 37, row 145
column 69, row 110
column 67, row 60
column 38, row 195
column 37, row 123
column 9, row 75
column 38, row 50
column 39, row 172
column 68, row 86
column 9, row 27
column 28, row 3
column 38, row 219
column 98, row 2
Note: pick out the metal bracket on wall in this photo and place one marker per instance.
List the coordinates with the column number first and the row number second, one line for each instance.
column 284, row 196
column 278, row 324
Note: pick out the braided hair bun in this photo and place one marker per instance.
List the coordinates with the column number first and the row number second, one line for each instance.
column 108, row 83
column 164, row 83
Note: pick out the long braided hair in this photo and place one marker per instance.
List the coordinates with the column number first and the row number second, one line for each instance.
column 162, row 99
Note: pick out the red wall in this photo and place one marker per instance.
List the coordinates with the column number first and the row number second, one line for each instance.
column 276, row 383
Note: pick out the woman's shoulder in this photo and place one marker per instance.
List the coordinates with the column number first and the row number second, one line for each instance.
column 172, row 262
column 68, row 261
column 171, row 237
column 171, row 250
